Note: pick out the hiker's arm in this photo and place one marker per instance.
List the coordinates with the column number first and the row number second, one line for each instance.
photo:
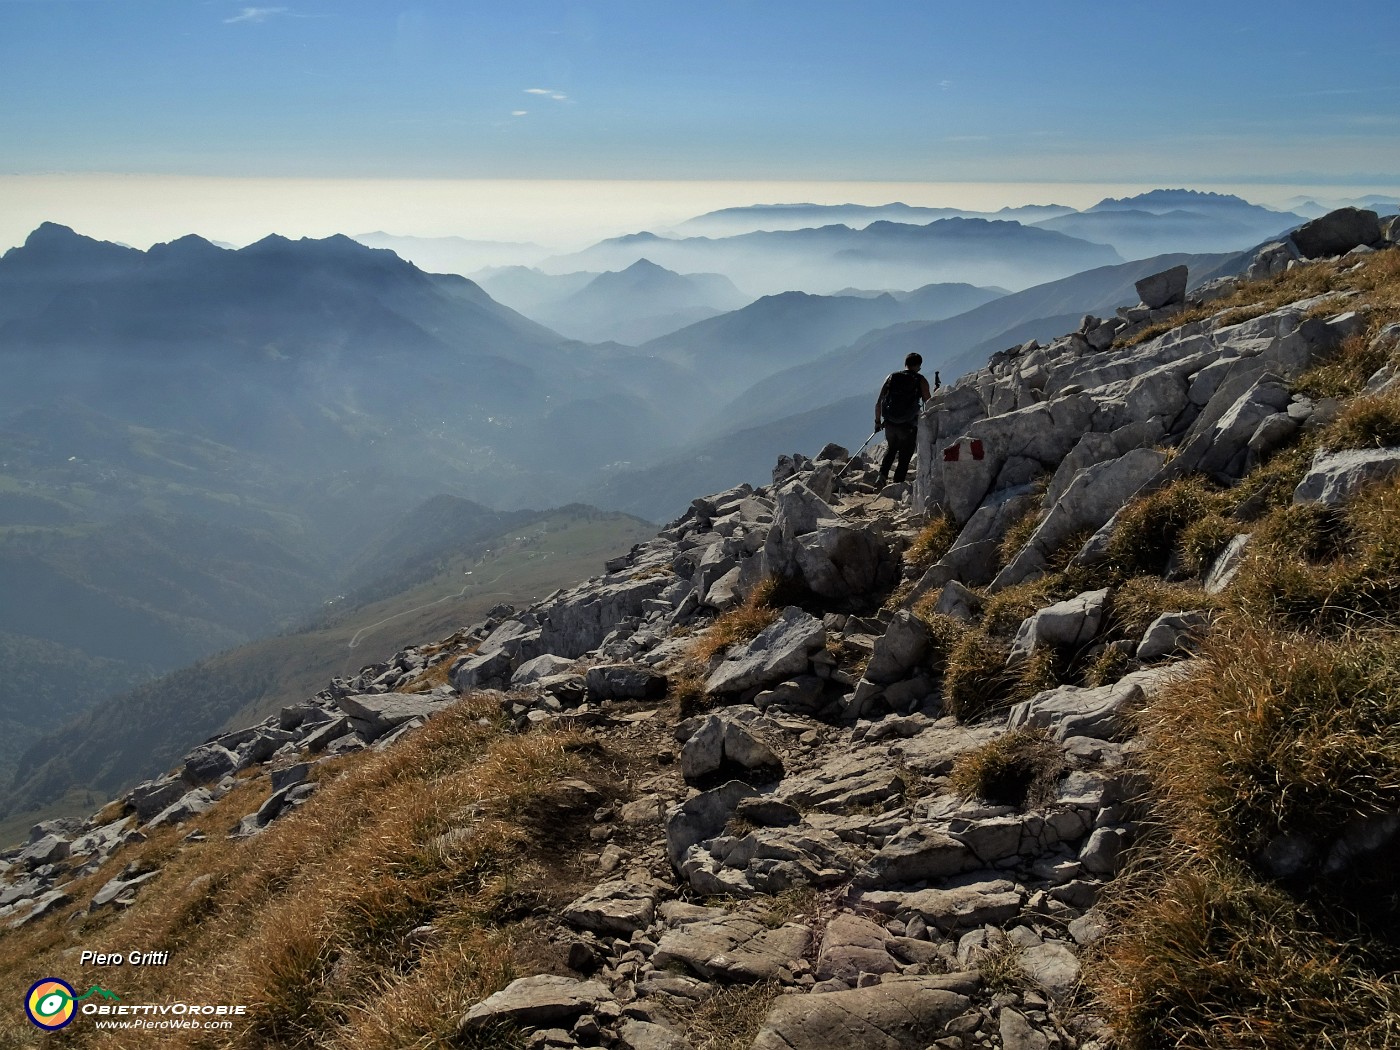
column 880, row 400
column 924, row 392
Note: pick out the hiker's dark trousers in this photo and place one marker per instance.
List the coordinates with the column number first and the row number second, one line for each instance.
column 899, row 446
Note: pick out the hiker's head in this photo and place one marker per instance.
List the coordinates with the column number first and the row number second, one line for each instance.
column 913, row 361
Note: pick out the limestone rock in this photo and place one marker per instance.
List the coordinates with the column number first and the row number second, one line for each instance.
column 624, row 682
column 721, row 740
column 537, row 1001
column 736, row 948
column 617, row 908
column 903, row 646
column 374, row 714
column 1163, row 289
column 852, row 946
column 894, row 1015
column 1171, row 633
column 1334, row 476
column 1070, row 623
column 781, row 650
column 1071, row 710
column 1337, row 232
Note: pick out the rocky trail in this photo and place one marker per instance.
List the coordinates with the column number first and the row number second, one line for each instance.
column 847, row 786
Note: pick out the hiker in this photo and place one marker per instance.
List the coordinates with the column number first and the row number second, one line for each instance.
column 897, row 413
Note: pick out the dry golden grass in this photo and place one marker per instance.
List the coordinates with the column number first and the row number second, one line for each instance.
column 1211, row 958
column 1018, row 534
column 1369, row 421
column 932, row 542
column 1150, row 528
column 1019, row 768
column 731, row 1017
column 976, row 682
column 741, row 624
column 1309, row 566
column 1134, row 605
column 307, row 924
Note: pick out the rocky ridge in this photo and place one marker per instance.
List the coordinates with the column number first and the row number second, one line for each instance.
column 818, row 767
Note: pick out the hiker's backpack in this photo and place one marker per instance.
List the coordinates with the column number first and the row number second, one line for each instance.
column 901, row 403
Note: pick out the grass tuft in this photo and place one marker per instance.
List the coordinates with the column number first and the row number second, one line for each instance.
column 1371, row 421
column 1019, row 768
column 976, row 682
column 739, row 625
column 932, row 542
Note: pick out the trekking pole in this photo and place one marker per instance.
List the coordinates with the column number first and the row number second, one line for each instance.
column 859, row 450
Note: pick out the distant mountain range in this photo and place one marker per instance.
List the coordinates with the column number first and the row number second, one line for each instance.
column 727, row 222
column 881, row 255
column 1165, row 221
column 640, row 303
column 779, row 331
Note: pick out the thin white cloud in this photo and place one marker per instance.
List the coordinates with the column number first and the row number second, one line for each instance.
column 945, row 84
column 557, row 96
column 256, row 14
column 538, row 91
column 519, row 112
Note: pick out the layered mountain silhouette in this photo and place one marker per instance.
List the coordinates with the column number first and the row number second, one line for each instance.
column 1163, row 221
column 726, row 222
column 779, row 331
column 881, row 255
column 640, row 303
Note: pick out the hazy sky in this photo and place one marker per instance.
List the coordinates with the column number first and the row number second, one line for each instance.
column 1190, row 93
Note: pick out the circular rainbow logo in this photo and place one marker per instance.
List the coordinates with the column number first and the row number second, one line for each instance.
column 49, row 1003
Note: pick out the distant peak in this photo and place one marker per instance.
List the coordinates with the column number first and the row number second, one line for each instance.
column 645, row 266
column 54, row 241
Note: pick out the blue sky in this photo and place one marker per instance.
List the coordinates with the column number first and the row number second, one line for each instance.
column 1232, row 90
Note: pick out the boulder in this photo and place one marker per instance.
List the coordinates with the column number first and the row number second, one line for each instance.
column 781, row 650
column 617, row 909
column 1337, row 232
column 1053, row 966
column 1071, row 623
column 1163, row 289
column 534, row 1002
column 734, row 948
column 1070, row 710
column 374, row 714
column 209, row 762
column 150, row 798
column 903, row 647
column 543, row 666
column 851, row 946
column 973, row 902
column 188, row 805
column 1091, row 499
column 893, row 1015
column 1172, row 634
column 721, row 740
column 701, row 817
column 1334, row 476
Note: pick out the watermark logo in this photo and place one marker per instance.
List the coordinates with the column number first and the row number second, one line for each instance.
column 50, row 1003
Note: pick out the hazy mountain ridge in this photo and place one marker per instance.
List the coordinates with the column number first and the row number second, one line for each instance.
column 778, row 331
column 640, row 303
column 883, row 254
column 771, row 217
